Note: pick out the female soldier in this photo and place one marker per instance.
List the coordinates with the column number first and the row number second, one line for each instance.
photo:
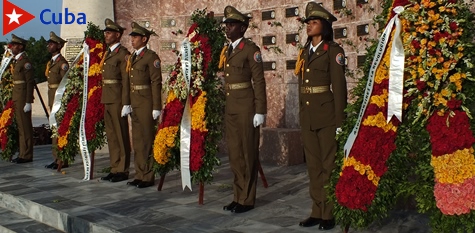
column 323, row 97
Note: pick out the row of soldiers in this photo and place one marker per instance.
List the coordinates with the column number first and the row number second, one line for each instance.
column 132, row 86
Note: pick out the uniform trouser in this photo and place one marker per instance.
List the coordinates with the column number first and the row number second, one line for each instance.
column 117, row 131
column 25, row 131
column 320, row 148
column 243, row 148
column 143, row 133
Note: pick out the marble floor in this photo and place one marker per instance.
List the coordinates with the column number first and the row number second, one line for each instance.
column 35, row 199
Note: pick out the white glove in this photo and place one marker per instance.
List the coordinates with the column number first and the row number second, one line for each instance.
column 338, row 130
column 27, row 107
column 126, row 110
column 258, row 119
column 155, row 114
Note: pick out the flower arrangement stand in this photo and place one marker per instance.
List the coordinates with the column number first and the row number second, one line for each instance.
column 91, row 174
column 202, row 186
column 347, row 228
column 261, row 173
column 41, row 100
column 201, row 193
column 60, row 166
column 160, row 184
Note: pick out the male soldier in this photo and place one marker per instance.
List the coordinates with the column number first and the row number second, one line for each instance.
column 321, row 64
column 22, row 96
column 246, row 105
column 116, row 99
column 145, row 79
column 55, row 71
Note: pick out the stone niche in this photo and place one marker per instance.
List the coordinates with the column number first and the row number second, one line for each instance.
column 275, row 28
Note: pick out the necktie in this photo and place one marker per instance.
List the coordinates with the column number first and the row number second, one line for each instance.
column 310, row 53
column 230, row 50
column 133, row 57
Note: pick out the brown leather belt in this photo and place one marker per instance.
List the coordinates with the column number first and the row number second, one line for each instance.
column 53, row 86
column 139, row 87
column 111, row 81
column 314, row 90
column 18, row 81
column 236, row 86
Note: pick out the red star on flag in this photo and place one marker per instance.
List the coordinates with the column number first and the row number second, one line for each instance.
column 14, row 17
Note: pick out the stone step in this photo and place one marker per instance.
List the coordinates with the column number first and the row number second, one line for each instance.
column 11, row 222
column 18, row 214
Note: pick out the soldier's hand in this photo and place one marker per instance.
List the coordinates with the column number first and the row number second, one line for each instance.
column 126, row 110
column 27, row 107
column 155, row 114
column 258, row 119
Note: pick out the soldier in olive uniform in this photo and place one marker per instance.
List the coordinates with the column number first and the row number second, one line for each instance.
column 323, row 98
column 116, row 98
column 145, row 80
column 55, row 71
column 22, row 96
column 246, row 106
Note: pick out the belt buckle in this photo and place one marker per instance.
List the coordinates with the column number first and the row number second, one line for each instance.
column 307, row 90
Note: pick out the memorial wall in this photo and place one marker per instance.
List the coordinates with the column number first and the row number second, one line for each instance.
column 276, row 29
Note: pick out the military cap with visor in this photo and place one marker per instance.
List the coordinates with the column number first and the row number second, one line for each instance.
column 316, row 11
column 232, row 15
column 55, row 39
column 138, row 30
column 113, row 26
column 18, row 40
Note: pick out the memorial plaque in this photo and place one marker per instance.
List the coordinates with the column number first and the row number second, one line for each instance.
column 362, row 30
column 361, row 60
column 170, row 45
column 291, row 38
column 290, row 64
column 269, row 65
column 362, row 1
column 268, row 15
column 144, row 23
column 168, row 23
column 339, row 4
column 72, row 48
column 268, row 40
column 340, row 33
column 291, row 12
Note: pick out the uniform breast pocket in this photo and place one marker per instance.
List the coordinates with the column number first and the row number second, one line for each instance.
column 140, row 68
column 17, row 70
column 321, row 67
column 237, row 68
column 112, row 63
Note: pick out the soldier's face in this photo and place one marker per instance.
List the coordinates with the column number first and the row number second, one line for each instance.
column 234, row 31
column 53, row 47
column 314, row 27
column 138, row 41
column 111, row 37
column 16, row 48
